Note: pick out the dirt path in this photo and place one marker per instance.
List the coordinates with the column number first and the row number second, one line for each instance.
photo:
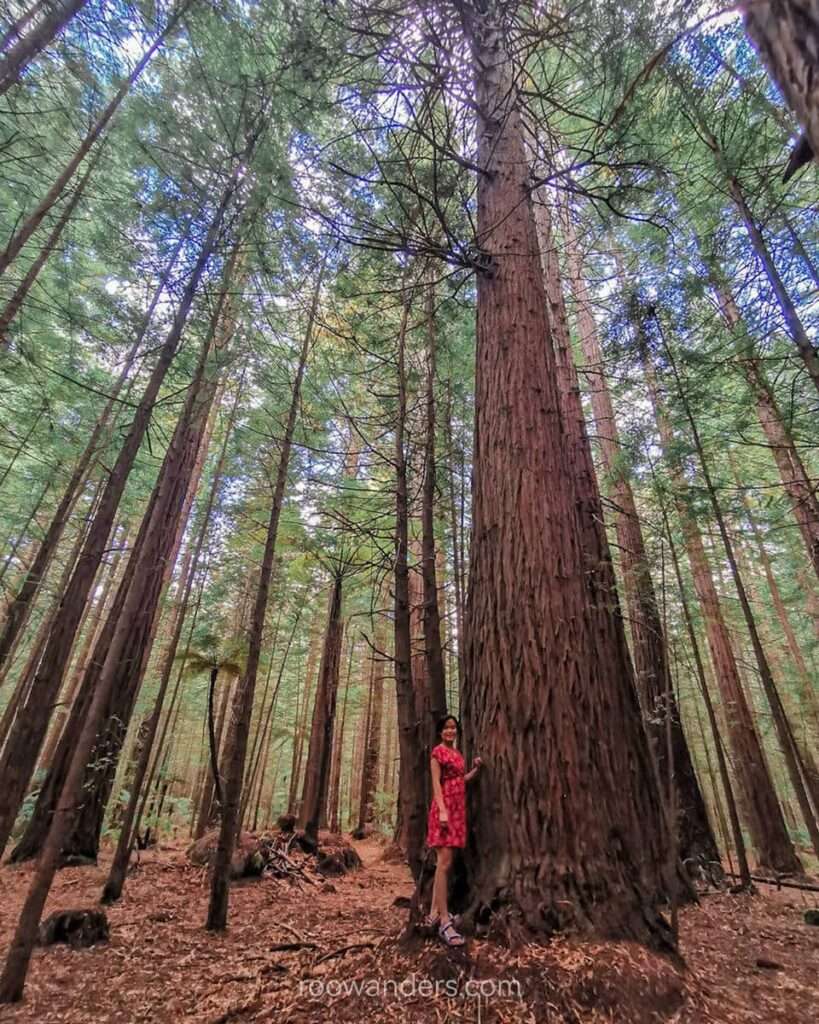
column 161, row 966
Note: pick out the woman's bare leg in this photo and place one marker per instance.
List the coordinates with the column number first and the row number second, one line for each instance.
column 439, row 885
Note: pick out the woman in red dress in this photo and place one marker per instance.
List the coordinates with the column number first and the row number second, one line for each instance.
column 446, row 825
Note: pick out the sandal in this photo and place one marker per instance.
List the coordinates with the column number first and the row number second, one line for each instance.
column 449, row 935
column 431, row 920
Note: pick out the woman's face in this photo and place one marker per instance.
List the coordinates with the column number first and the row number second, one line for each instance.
column 449, row 732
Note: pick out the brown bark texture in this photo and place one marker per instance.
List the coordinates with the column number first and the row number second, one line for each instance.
column 696, row 838
column 786, row 34
column 757, row 795
column 549, row 700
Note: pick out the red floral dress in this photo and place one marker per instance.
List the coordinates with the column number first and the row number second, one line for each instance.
column 453, row 788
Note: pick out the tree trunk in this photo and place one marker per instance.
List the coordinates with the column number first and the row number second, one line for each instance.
column 433, row 651
column 549, row 700
column 696, row 840
column 807, row 694
column 22, row 235
column 786, row 33
column 217, row 743
column 798, row 486
column 334, row 799
column 23, row 747
column 37, row 645
column 234, row 775
column 21, row 53
column 373, row 745
column 317, row 771
column 783, row 730
column 457, row 553
column 129, row 826
column 796, row 329
column 257, row 767
column 759, row 801
column 411, row 824
column 96, row 617
column 14, row 304
column 722, row 761
column 180, row 468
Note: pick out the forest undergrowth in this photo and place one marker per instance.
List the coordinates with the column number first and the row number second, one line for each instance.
column 747, row 958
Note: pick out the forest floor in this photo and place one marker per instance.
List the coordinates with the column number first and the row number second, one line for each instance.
column 161, row 966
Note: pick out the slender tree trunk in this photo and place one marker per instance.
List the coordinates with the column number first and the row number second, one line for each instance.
column 317, row 771
column 549, row 700
column 15, row 30
column 457, row 554
column 21, row 53
column 783, row 730
column 722, row 762
column 413, row 770
column 24, row 531
column 218, row 907
column 207, row 813
column 37, row 645
column 22, row 750
column 759, row 800
column 334, row 799
column 251, row 760
column 27, row 229
column 119, row 867
column 21, row 605
column 190, row 436
column 807, row 694
column 257, row 767
column 801, row 491
column 802, row 756
column 373, row 743
column 96, row 618
column 433, row 651
column 800, row 250
column 795, row 327
column 14, row 304
column 301, row 715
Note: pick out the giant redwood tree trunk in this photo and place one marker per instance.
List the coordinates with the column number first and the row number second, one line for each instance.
column 696, row 839
column 549, row 701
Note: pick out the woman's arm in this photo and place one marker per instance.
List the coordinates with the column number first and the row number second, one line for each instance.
column 473, row 771
column 437, row 793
